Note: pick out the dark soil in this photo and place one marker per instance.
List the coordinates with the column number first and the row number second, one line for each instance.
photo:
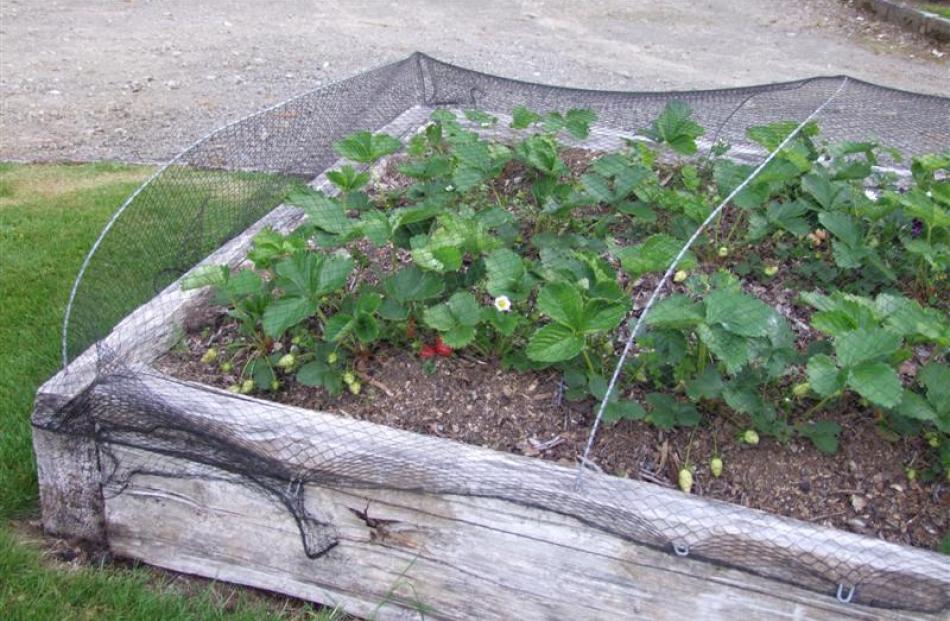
column 862, row 488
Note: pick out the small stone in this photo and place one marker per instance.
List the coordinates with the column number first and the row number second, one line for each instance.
column 172, row 85
column 858, row 503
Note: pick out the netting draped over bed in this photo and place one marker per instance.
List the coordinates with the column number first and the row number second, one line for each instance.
column 209, row 196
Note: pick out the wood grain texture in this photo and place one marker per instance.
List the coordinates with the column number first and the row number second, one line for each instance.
column 68, row 472
column 458, row 557
column 291, row 445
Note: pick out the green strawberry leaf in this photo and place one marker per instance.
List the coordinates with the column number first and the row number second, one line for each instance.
column 739, row 313
column 455, row 319
column 506, row 274
column 705, row 385
column 653, row 255
column 338, row 326
column 554, row 343
column 348, row 179
column 667, row 413
column 366, row 328
column 823, row 434
column 824, row 376
column 602, row 316
column 562, row 302
column 675, row 312
column 411, row 284
column 865, row 344
column 623, row 409
column 365, row 147
column 285, row 313
column 935, row 378
column 730, row 348
column 877, row 382
column 521, row 117
column 675, row 127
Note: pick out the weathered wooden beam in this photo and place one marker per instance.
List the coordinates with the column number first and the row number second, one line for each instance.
column 456, row 557
column 286, row 453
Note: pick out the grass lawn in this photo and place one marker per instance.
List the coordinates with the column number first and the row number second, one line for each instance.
column 940, row 9
column 49, row 217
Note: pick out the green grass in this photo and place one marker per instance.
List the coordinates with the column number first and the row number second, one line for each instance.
column 939, row 9
column 49, row 217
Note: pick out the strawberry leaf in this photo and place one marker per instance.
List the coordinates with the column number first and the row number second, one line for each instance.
column 877, row 382
column 554, row 343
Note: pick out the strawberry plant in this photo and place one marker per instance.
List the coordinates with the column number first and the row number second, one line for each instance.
column 502, row 250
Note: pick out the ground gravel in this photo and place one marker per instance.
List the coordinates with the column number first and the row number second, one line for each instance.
column 139, row 80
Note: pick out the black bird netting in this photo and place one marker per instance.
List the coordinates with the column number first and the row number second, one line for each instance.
column 128, row 306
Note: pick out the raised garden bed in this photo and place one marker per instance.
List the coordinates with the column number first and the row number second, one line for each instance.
column 377, row 508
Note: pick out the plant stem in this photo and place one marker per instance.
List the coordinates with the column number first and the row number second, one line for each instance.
column 590, row 365
column 819, row 405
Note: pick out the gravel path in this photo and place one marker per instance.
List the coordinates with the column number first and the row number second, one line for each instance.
column 139, row 80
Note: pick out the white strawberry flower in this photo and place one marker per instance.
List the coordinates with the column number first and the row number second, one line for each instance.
column 502, row 303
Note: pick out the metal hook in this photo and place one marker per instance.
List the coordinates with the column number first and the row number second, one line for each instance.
column 845, row 599
column 681, row 549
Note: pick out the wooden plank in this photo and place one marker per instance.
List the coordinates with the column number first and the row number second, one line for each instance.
column 460, row 557
column 68, row 471
column 285, row 446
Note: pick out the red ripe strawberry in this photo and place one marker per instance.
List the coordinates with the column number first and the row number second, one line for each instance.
column 441, row 348
column 427, row 351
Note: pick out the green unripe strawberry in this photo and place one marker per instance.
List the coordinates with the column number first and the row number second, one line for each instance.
column 715, row 467
column 750, row 437
column 287, row 362
column 274, row 385
column 770, row 270
column 210, row 355
column 247, row 386
column 680, row 276
column 801, row 390
column 685, row 480
column 933, row 440
column 723, row 252
column 354, row 387
column 349, row 378
column 295, row 340
column 234, row 388
column 227, row 367
column 332, row 357
column 911, row 474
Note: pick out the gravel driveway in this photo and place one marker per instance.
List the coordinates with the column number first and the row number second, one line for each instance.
column 139, row 80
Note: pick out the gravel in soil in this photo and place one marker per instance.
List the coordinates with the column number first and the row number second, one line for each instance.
column 862, row 488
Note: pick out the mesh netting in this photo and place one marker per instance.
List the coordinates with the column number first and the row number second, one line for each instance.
column 127, row 309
